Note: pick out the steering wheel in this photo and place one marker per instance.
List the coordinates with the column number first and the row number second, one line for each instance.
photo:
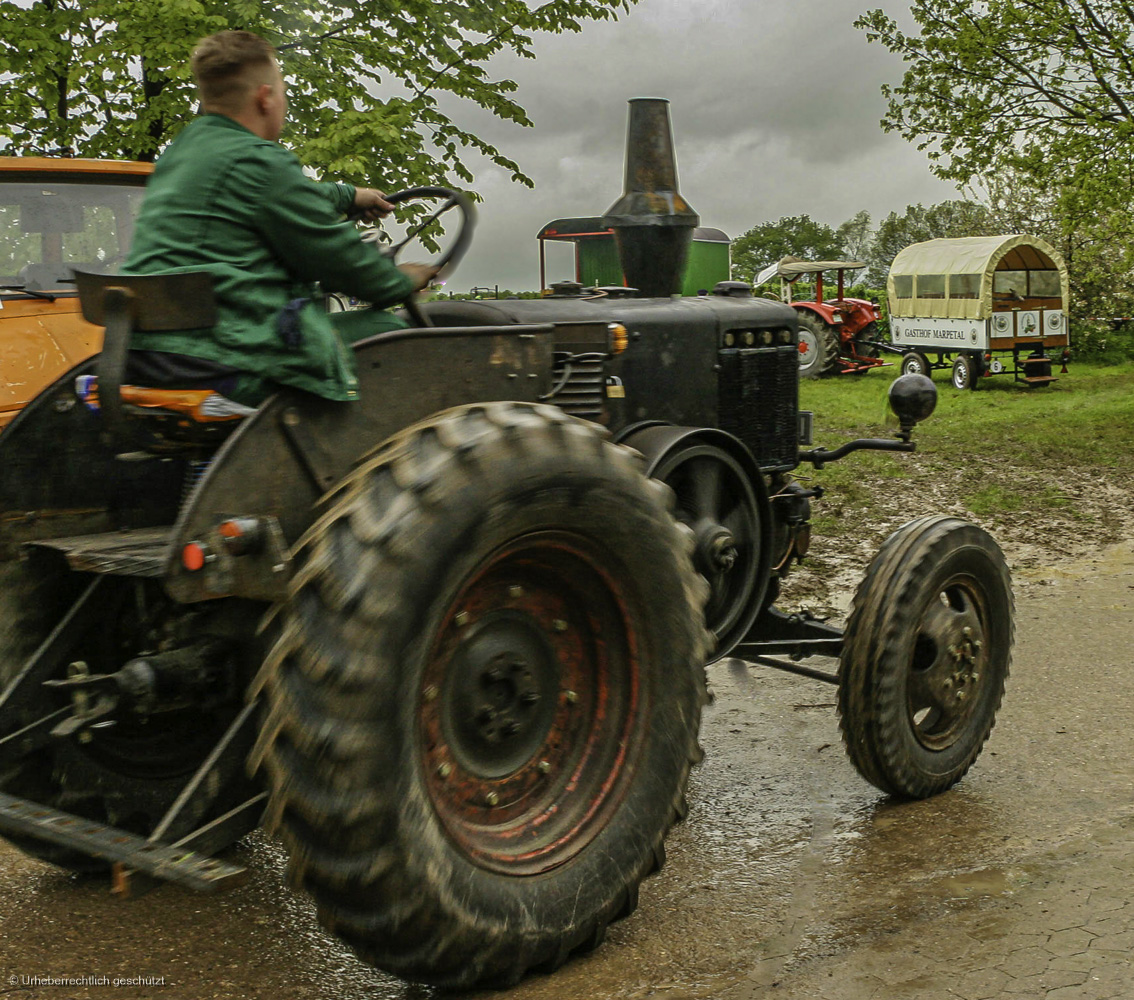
column 451, row 257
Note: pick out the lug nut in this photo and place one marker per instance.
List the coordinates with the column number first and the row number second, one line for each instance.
column 543, row 767
column 559, row 625
column 492, row 798
column 444, row 770
column 515, row 592
column 966, row 632
column 431, row 693
column 462, row 618
column 571, row 697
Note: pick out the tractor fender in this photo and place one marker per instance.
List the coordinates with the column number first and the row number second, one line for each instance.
column 298, row 446
column 825, row 312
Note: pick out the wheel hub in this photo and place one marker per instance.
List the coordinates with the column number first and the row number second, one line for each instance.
column 496, row 700
column 948, row 660
column 962, row 673
column 530, row 709
column 717, row 550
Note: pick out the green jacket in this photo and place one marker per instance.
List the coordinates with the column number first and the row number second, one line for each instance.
column 223, row 200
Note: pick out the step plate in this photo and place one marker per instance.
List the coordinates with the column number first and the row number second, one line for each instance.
column 139, row 552
column 188, row 868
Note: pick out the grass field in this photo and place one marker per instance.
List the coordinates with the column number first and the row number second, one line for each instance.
column 1049, row 471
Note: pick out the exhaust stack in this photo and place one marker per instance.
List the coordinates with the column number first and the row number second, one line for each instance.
column 653, row 225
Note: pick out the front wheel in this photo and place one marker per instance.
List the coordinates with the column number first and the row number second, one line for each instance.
column 916, row 363
column 485, row 694
column 925, row 656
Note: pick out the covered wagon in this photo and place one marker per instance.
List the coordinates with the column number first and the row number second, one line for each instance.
column 984, row 304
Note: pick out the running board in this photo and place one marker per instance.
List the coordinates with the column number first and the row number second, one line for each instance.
column 19, row 817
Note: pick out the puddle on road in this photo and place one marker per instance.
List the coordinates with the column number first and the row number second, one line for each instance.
column 972, row 885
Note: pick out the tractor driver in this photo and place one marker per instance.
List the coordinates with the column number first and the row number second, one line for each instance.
column 227, row 198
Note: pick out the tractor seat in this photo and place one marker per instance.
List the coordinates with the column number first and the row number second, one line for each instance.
column 141, row 417
column 187, row 416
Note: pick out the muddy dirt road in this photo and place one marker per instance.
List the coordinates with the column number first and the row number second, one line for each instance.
column 791, row 878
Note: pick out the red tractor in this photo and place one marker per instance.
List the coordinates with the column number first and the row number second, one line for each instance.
column 837, row 336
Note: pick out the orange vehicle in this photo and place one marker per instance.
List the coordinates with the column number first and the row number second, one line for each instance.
column 55, row 213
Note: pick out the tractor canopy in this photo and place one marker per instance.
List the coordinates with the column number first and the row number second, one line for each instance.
column 791, row 268
column 972, row 277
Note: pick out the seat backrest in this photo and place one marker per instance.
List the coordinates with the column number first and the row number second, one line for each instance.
column 123, row 303
column 159, row 301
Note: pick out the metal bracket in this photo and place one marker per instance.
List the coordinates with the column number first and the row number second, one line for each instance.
column 796, row 635
column 311, row 454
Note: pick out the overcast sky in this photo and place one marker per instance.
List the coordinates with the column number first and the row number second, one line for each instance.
column 775, row 110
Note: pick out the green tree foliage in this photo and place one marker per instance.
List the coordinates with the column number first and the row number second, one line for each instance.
column 855, row 236
column 371, row 83
column 796, row 236
column 1096, row 240
column 1031, row 84
column 946, row 220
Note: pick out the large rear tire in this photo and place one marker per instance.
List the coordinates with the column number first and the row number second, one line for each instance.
column 925, row 657
column 818, row 347
column 484, row 698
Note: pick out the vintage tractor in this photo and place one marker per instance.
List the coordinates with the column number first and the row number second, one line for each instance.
column 836, row 336
column 55, row 214
column 450, row 641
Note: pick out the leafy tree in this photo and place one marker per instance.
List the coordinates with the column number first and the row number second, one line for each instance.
column 947, row 220
column 1040, row 85
column 366, row 79
column 855, row 236
column 797, row 236
column 1096, row 241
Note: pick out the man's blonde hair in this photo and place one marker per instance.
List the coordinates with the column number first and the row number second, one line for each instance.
column 228, row 66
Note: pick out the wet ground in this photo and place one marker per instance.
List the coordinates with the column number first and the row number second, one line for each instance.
column 791, row 878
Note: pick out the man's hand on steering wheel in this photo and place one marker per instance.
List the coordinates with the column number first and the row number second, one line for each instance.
column 370, row 205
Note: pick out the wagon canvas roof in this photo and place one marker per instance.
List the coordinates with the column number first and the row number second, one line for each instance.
column 981, row 255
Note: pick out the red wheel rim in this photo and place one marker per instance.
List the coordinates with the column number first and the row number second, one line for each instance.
column 531, row 705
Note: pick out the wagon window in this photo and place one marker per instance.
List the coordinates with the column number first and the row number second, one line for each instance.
column 903, row 286
column 931, row 286
column 1045, row 284
column 1010, row 284
column 964, row 286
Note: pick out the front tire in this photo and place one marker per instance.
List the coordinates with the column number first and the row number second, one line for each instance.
column 485, row 695
column 925, row 656
column 916, row 363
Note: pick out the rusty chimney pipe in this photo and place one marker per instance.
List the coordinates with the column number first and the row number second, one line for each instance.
column 653, row 225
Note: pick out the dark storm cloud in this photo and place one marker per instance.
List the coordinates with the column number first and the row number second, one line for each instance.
column 775, row 110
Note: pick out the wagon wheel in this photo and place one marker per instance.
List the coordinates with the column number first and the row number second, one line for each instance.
column 963, row 377
column 925, row 656
column 128, row 771
column 484, row 700
column 916, row 363
column 818, row 347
